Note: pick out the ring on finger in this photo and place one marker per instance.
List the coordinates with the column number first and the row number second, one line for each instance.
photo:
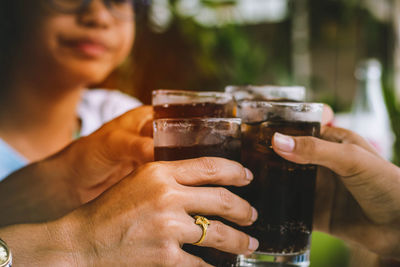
column 203, row 222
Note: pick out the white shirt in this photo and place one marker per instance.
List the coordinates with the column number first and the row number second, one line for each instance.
column 96, row 108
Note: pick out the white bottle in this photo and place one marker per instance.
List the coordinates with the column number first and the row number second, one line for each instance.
column 369, row 116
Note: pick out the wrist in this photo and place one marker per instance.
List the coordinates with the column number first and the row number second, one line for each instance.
column 78, row 243
column 69, row 165
column 64, row 240
column 58, row 168
column 46, row 244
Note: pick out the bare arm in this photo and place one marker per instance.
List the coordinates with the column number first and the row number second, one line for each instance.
column 144, row 220
column 79, row 173
column 46, row 244
column 35, row 194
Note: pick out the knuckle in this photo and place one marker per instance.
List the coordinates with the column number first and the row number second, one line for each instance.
column 144, row 149
column 139, row 145
column 242, row 243
column 249, row 215
column 169, row 255
column 155, row 169
column 352, row 149
column 208, row 165
column 112, row 135
column 339, row 135
column 166, row 197
column 226, row 199
column 354, row 166
column 165, row 194
column 166, row 225
column 220, row 234
column 306, row 145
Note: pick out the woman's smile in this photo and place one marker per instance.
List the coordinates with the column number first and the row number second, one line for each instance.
column 87, row 47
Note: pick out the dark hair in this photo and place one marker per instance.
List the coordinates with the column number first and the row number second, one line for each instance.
column 12, row 27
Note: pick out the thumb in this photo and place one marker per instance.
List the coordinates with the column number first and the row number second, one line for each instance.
column 369, row 178
column 344, row 159
column 327, row 115
column 138, row 121
column 122, row 145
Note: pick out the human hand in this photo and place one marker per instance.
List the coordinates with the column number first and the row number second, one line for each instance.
column 327, row 115
column 145, row 219
column 359, row 199
column 93, row 163
column 52, row 187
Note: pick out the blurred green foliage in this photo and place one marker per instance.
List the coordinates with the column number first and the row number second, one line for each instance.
column 235, row 54
column 249, row 59
column 328, row 251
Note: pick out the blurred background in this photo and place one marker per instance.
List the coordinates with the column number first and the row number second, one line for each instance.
column 346, row 52
column 208, row 44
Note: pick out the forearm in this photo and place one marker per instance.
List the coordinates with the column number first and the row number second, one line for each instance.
column 47, row 244
column 36, row 193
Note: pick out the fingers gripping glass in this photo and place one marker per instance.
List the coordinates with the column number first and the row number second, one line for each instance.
column 122, row 9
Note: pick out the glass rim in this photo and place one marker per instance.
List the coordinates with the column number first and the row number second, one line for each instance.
column 188, row 92
column 202, row 96
column 267, row 92
column 231, row 88
column 194, row 120
column 295, row 105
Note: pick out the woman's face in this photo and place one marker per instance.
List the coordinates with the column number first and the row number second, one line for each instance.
column 85, row 46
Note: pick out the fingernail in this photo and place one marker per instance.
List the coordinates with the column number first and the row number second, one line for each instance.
column 284, row 142
column 254, row 214
column 253, row 244
column 249, row 174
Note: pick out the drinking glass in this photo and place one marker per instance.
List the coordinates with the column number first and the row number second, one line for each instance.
column 282, row 191
column 186, row 138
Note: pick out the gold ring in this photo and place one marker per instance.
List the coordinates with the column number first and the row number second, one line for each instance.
column 203, row 223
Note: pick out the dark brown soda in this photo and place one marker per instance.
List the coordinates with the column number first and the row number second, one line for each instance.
column 194, row 110
column 282, row 191
column 229, row 149
column 178, row 153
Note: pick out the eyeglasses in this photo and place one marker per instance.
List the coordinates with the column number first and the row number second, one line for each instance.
column 121, row 9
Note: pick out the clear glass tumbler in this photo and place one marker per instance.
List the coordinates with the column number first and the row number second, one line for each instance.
column 282, row 191
column 186, row 138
